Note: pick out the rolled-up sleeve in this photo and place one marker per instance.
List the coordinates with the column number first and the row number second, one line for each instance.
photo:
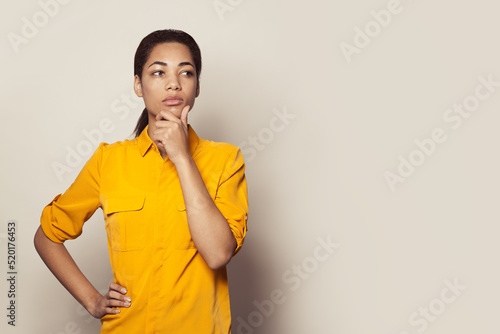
column 232, row 197
column 63, row 218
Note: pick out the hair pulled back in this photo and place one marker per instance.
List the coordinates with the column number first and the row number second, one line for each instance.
column 144, row 51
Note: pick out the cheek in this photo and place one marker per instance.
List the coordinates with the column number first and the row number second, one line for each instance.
column 148, row 96
column 191, row 88
column 149, row 88
column 149, row 92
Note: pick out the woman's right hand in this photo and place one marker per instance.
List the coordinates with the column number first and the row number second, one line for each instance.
column 107, row 304
column 59, row 261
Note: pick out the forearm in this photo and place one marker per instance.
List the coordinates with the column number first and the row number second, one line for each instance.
column 208, row 227
column 64, row 268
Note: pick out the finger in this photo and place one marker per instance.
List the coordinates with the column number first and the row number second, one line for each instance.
column 117, row 296
column 117, row 287
column 118, row 303
column 110, row 310
column 165, row 115
column 164, row 128
column 184, row 116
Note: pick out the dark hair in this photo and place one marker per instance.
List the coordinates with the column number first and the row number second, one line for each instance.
column 144, row 51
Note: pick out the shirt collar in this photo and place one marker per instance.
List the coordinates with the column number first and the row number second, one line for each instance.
column 145, row 143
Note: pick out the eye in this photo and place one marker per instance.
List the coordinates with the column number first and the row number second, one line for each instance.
column 157, row 73
column 187, row 73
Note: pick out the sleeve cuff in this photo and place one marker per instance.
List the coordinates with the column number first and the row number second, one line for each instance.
column 239, row 235
column 46, row 222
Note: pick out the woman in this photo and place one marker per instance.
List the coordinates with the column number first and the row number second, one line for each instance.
column 175, row 208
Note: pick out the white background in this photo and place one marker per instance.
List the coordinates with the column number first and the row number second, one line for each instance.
column 321, row 176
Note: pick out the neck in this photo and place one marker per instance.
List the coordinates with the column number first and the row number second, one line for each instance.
column 151, row 125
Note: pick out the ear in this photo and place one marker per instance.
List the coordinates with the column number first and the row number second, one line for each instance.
column 137, row 86
column 197, row 88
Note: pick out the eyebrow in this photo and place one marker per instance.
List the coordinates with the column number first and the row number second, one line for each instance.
column 184, row 63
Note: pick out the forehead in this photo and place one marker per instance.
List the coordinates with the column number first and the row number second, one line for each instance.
column 170, row 52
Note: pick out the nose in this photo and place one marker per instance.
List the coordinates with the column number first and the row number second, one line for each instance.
column 172, row 83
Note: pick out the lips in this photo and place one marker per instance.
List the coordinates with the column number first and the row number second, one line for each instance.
column 172, row 101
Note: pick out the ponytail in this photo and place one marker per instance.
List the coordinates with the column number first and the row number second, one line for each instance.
column 141, row 123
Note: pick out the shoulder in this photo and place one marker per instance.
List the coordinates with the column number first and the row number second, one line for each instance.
column 117, row 150
column 119, row 145
column 217, row 149
column 224, row 157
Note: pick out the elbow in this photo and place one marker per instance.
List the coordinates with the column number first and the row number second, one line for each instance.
column 220, row 261
column 36, row 239
column 220, row 258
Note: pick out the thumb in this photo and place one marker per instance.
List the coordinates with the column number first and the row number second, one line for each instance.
column 184, row 115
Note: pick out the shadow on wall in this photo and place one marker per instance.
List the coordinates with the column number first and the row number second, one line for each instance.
column 250, row 273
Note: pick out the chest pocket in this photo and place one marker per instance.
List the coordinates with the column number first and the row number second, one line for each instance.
column 125, row 223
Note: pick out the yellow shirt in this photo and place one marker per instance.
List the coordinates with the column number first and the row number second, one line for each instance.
column 150, row 247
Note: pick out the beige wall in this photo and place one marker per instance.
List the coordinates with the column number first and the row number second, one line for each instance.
column 370, row 131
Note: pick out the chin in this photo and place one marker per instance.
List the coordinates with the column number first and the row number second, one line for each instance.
column 176, row 110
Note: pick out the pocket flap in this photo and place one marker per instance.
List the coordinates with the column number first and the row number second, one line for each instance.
column 125, row 203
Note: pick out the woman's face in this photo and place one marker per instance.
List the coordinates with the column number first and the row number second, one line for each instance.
column 169, row 80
